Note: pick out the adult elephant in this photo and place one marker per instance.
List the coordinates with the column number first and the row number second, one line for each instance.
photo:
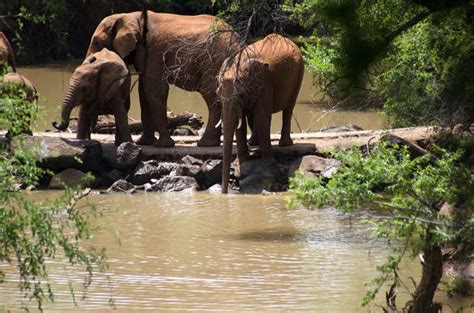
column 6, row 52
column 264, row 79
column 100, row 85
column 186, row 51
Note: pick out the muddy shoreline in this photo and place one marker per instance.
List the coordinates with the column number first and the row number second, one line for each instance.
column 187, row 167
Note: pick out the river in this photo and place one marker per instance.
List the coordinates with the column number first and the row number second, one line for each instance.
column 52, row 81
column 175, row 252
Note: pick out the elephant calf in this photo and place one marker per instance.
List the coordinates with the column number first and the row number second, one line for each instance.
column 100, row 85
column 264, row 78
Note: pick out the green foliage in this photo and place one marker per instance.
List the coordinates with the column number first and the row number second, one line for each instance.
column 33, row 233
column 42, row 28
column 406, row 193
column 428, row 78
column 17, row 113
column 414, row 58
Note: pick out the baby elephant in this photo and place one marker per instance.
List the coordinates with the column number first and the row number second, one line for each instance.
column 100, row 85
column 20, row 86
column 264, row 78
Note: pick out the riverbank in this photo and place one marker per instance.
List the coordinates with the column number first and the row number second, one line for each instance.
column 186, row 166
column 304, row 142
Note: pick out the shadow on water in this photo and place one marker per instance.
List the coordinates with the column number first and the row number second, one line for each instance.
column 271, row 234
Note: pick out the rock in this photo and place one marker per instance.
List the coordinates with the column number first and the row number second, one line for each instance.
column 210, row 173
column 188, row 170
column 69, row 177
column 183, row 132
column 128, row 155
column 58, row 154
column 312, row 166
column 107, row 179
column 215, row 189
column 176, row 183
column 122, row 186
column 341, row 128
column 260, row 174
column 190, row 160
column 31, row 188
column 149, row 170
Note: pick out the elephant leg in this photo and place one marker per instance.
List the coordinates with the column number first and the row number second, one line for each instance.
column 241, row 137
column 83, row 124
column 262, row 114
column 253, row 141
column 264, row 137
column 94, row 119
column 156, row 92
column 148, row 136
column 212, row 135
column 122, row 132
column 285, row 139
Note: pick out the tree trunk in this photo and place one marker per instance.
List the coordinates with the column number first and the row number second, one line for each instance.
column 422, row 301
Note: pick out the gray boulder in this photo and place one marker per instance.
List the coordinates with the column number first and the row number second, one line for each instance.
column 259, row 175
column 190, row 160
column 70, row 177
column 210, row 173
column 175, row 184
column 312, row 166
column 58, row 154
column 128, row 155
column 151, row 170
column 122, row 186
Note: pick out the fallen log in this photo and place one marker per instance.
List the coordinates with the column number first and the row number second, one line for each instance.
column 305, row 143
column 106, row 123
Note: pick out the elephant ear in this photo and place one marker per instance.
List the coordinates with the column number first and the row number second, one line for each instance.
column 111, row 77
column 127, row 35
column 255, row 72
column 256, row 66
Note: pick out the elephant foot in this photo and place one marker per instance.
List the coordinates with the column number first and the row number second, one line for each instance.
column 164, row 142
column 253, row 141
column 209, row 142
column 285, row 142
column 146, row 141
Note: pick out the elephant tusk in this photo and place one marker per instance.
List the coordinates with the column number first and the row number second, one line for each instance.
column 240, row 123
column 219, row 123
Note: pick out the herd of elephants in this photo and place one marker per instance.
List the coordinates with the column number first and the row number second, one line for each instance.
column 240, row 83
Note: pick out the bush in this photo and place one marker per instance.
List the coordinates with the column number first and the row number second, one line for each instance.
column 33, row 233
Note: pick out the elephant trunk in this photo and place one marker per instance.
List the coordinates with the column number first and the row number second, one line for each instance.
column 69, row 102
column 228, row 130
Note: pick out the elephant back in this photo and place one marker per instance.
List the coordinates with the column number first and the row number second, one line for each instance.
column 18, row 83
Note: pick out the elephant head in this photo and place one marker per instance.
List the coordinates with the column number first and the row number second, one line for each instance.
column 118, row 32
column 240, row 82
column 99, row 78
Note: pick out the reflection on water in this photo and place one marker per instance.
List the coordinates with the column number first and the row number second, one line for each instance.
column 52, row 83
column 222, row 253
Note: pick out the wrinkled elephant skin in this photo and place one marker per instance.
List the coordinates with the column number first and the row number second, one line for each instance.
column 165, row 49
column 263, row 79
column 100, row 85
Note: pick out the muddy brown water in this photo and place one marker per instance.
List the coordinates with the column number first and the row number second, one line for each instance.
column 217, row 253
column 221, row 253
column 52, row 82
